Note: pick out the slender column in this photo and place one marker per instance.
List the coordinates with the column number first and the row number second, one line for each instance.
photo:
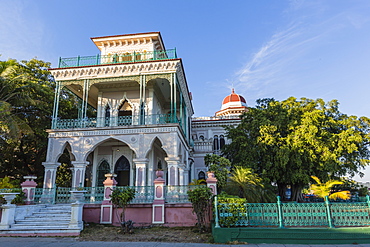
column 171, row 96
column 28, row 187
column 186, row 176
column 158, row 203
column 56, row 105
column 86, row 100
column 50, row 174
column 141, row 166
column 175, row 94
column 78, row 173
column 181, row 175
column 100, row 121
column 173, row 170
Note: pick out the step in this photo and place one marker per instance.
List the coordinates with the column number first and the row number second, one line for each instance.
column 37, row 226
column 43, row 214
column 40, row 232
column 32, row 222
column 54, row 219
column 55, row 211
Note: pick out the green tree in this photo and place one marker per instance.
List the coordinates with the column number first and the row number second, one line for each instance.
column 220, row 166
column 26, row 104
column 287, row 142
column 323, row 190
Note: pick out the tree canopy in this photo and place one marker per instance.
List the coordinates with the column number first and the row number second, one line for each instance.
column 26, row 104
column 287, row 142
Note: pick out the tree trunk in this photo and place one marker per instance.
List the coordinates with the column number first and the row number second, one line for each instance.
column 281, row 191
column 296, row 190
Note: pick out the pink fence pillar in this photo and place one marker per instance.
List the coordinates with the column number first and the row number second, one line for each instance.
column 212, row 182
column 29, row 187
column 106, row 210
column 158, row 202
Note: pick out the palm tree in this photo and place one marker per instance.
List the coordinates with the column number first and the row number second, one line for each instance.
column 324, row 189
column 250, row 185
column 11, row 126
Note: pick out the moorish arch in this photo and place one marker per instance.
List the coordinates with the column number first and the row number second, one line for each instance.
column 122, row 169
column 112, row 155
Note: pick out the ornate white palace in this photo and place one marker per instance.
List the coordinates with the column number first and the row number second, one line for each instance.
column 142, row 119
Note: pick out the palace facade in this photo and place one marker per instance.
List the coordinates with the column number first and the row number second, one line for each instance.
column 142, row 119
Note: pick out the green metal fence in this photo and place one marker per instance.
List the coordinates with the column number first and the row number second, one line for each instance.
column 320, row 214
column 178, row 193
column 95, row 195
column 114, row 121
column 143, row 194
column 117, row 58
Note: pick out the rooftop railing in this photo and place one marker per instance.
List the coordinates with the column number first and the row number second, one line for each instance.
column 117, row 58
column 114, row 121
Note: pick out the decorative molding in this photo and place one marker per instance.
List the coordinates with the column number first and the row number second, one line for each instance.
column 116, row 70
column 214, row 123
column 82, row 132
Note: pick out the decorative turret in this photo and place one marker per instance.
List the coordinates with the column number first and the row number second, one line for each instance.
column 232, row 105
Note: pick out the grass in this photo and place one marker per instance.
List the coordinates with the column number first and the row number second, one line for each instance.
column 96, row 232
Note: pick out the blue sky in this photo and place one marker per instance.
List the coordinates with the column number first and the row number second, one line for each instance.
column 265, row 48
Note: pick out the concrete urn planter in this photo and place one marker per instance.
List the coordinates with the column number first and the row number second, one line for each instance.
column 78, row 195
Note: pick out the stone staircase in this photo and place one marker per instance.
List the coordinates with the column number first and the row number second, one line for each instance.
column 43, row 220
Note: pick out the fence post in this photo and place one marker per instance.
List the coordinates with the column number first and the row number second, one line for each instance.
column 280, row 213
column 106, row 209
column 217, row 225
column 212, row 182
column 158, row 205
column 28, row 187
column 327, row 204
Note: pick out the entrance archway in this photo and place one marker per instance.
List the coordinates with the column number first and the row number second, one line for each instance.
column 122, row 169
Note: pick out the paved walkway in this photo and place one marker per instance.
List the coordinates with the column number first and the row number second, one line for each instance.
column 63, row 242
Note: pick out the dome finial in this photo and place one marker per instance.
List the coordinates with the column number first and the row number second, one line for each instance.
column 232, row 90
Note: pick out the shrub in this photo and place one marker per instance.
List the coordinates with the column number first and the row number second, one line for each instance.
column 200, row 197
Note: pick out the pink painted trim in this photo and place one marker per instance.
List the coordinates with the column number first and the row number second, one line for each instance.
column 39, row 234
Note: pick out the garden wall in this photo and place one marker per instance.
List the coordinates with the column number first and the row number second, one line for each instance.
column 141, row 214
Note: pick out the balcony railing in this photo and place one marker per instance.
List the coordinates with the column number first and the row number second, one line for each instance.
column 114, row 121
column 117, row 58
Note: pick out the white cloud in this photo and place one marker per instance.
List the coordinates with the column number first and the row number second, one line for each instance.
column 287, row 57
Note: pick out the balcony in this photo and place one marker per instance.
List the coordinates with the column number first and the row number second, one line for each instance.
column 115, row 121
column 117, row 58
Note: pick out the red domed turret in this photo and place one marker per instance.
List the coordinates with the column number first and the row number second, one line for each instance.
column 233, row 104
column 233, row 97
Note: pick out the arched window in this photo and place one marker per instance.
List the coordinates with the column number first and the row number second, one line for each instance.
column 201, row 175
column 100, row 175
column 125, row 114
column 216, row 146
column 201, row 138
column 122, row 169
column 107, row 116
column 222, row 141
